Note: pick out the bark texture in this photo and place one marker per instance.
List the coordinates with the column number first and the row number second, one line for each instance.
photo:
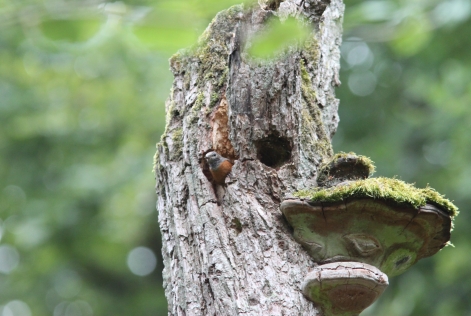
column 227, row 249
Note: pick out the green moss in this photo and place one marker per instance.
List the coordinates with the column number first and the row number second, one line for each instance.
column 436, row 198
column 307, row 126
column 211, row 53
column 223, row 77
column 170, row 111
column 161, row 147
column 155, row 163
column 214, row 100
column 311, row 126
column 176, row 62
column 323, row 144
column 312, row 119
column 363, row 160
column 177, row 140
column 311, row 49
column 168, row 118
column 186, row 81
column 193, row 115
column 212, row 49
column 304, row 73
column 306, row 85
column 180, row 60
column 344, row 167
column 381, row 188
column 199, row 102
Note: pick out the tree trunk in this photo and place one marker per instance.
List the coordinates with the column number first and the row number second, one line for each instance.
column 227, row 248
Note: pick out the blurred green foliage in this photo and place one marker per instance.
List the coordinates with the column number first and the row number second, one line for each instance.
column 278, row 34
column 82, row 88
column 406, row 103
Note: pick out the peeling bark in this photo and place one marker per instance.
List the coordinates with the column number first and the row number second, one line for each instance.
column 275, row 120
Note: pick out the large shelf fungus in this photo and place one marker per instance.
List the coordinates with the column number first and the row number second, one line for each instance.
column 363, row 230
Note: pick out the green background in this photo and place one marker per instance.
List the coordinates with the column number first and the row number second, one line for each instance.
column 82, row 91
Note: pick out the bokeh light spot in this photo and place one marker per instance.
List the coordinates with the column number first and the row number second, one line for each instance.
column 9, row 259
column 378, row 10
column 358, row 54
column 67, row 283
column 438, row 153
column 75, row 308
column 16, row 308
column 362, row 83
column 451, row 11
column 13, row 197
column 141, row 261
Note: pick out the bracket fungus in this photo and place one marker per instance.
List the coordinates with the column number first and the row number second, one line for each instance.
column 363, row 230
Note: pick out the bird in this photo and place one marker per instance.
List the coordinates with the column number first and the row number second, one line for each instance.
column 219, row 166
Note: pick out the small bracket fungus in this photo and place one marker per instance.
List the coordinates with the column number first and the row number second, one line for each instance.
column 344, row 288
column 363, row 230
column 344, row 167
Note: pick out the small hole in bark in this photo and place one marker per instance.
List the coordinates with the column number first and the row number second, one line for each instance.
column 175, row 113
column 237, row 225
column 273, row 151
column 253, row 300
column 274, row 5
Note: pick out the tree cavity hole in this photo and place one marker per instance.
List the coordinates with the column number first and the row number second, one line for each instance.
column 273, row 150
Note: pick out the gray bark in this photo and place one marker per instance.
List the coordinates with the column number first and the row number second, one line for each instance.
column 227, row 249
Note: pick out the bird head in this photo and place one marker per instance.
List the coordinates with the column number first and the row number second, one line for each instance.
column 212, row 156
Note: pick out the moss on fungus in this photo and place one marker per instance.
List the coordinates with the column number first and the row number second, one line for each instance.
column 363, row 160
column 389, row 189
column 344, row 166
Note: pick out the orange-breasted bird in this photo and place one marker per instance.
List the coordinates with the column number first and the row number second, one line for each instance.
column 219, row 166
